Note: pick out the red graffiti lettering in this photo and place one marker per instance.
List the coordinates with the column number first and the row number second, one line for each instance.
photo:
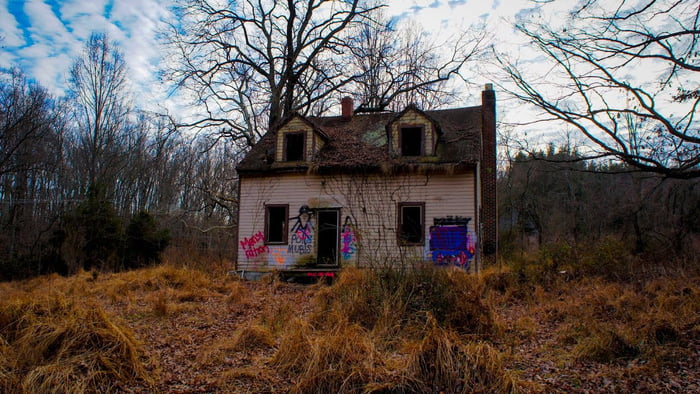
column 251, row 247
column 321, row 274
column 255, row 252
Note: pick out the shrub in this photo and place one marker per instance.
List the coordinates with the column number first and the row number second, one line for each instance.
column 91, row 234
column 405, row 298
column 144, row 241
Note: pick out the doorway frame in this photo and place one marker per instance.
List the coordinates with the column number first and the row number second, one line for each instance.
column 319, row 227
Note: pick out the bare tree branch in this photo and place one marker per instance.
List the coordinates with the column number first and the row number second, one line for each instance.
column 611, row 78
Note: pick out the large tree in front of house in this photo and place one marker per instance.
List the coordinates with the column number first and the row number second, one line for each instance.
column 249, row 64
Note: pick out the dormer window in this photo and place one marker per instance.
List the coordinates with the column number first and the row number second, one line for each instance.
column 411, row 141
column 294, row 146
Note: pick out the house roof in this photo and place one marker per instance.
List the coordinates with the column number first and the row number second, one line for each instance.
column 362, row 141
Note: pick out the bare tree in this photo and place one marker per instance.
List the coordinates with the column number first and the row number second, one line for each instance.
column 98, row 88
column 398, row 64
column 251, row 63
column 31, row 132
column 626, row 77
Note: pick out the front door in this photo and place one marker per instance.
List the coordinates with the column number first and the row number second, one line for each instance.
column 328, row 235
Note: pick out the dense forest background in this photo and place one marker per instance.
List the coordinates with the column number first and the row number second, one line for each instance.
column 89, row 180
column 554, row 204
column 75, row 197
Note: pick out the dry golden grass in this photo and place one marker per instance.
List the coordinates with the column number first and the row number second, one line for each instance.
column 236, row 292
column 443, row 362
column 372, row 331
column 57, row 345
column 391, row 300
column 342, row 359
column 252, row 337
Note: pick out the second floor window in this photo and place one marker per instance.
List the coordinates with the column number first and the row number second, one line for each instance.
column 411, row 141
column 294, row 146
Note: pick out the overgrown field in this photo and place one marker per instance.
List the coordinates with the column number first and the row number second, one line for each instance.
column 517, row 328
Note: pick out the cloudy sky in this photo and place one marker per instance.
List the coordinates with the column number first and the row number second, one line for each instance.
column 42, row 37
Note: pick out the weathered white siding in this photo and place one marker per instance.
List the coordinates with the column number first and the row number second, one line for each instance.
column 368, row 206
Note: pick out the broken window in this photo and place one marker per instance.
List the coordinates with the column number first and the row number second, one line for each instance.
column 411, row 223
column 294, row 146
column 411, row 141
column 276, row 224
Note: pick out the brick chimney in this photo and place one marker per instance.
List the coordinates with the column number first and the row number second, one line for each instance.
column 489, row 202
column 347, row 107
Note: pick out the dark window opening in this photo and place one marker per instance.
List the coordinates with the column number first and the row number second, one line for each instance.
column 411, row 224
column 294, row 146
column 411, row 141
column 276, row 224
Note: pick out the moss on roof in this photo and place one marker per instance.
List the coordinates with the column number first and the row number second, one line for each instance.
column 361, row 143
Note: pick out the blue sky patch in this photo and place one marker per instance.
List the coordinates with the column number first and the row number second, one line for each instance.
column 16, row 8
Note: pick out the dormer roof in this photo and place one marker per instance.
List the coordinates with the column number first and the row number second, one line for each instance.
column 363, row 141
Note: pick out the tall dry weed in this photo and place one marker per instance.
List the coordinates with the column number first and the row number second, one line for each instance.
column 388, row 299
column 57, row 345
column 340, row 360
column 443, row 362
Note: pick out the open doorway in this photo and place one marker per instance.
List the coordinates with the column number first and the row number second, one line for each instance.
column 328, row 236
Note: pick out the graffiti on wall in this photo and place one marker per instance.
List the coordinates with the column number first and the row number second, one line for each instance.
column 302, row 233
column 451, row 243
column 253, row 246
column 278, row 255
column 349, row 238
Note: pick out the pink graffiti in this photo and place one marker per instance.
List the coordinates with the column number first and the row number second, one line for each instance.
column 251, row 247
column 457, row 259
column 304, row 234
column 349, row 241
column 321, row 274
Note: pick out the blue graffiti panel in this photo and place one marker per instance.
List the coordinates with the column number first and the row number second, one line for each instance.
column 451, row 245
column 448, row 238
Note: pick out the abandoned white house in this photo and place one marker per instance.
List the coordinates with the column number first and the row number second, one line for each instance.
column 371, row 189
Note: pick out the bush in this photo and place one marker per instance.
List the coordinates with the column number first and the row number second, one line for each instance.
column 144, row 241
column 91, row 235
column 393, row 298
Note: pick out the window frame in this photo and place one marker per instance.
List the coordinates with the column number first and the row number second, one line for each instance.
column 285, row 225
column 285, row 149
column 399, row 223
column 423, row 137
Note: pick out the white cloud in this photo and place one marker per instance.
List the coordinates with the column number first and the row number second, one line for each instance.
column 9, row 27
column 72, row 9
column 140, row 22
